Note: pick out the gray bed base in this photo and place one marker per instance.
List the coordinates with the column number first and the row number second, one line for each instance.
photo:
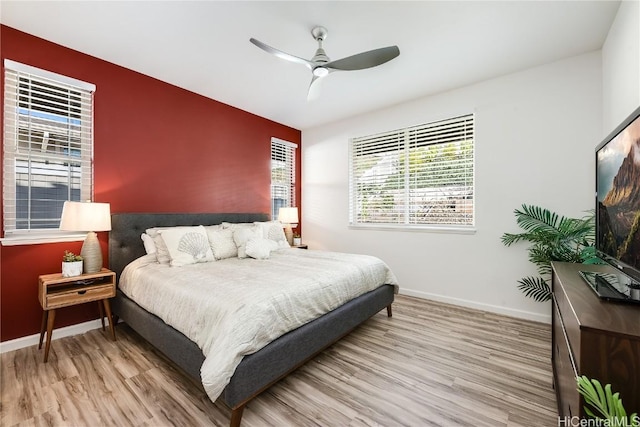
column 257, row 371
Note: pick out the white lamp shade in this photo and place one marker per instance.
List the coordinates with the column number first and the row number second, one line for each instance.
column 288, row 215
column 85, row 216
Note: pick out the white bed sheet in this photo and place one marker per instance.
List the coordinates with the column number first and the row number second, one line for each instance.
column 234, row 307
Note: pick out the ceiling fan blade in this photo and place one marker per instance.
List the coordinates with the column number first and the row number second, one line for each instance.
column 364, row 60
column 281, row 54
column 314, row 88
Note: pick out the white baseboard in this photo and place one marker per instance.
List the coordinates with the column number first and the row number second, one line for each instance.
column 520, row 314
column 67, row 331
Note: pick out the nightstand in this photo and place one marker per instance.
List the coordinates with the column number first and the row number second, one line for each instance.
column 55, row 291
column 301, row 246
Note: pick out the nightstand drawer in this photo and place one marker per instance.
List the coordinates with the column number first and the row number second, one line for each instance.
column 57, row 299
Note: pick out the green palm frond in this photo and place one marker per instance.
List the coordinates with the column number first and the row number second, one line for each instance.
column 541, row 225
column 508, row 239
column 536, row 219
column 536, row 288
column 541, row 256
column 572, row 229
column 607, row 405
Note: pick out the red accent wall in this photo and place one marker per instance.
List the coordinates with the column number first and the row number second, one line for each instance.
column 157, row 148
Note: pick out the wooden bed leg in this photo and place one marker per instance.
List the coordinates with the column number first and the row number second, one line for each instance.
column 236, row 416
column 389, row 313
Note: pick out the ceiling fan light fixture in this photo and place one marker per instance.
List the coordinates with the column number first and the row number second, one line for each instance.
column 320, row 71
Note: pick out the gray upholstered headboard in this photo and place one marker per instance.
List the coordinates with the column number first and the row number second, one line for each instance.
column 125, row 243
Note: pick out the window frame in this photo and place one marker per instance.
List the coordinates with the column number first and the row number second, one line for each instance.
column 18, row 157
column 399, row 142
column 288, row 151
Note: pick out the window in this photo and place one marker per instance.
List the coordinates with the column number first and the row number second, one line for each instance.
column 48, row 145
column 415, row 177
column 283, row 175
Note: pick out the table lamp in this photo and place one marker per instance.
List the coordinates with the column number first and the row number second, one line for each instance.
column 288, row 217
column 90, row 217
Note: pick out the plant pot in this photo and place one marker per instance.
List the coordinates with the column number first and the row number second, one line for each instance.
column 71, row 269
column 297, row 241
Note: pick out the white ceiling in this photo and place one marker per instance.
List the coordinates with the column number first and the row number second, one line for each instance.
column 203, row 46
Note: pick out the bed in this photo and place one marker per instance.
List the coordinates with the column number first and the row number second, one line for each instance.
column 258, row 371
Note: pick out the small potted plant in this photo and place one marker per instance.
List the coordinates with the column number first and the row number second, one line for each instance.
column 296, row 239
column 71, row 264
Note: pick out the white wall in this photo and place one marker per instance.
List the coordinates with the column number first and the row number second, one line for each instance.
column 535, row 134
column 621, row 66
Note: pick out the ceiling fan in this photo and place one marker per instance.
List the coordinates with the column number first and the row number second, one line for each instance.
column 320, row 65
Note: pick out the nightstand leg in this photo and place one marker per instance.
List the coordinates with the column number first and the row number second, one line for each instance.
column 43, row 327
column 101, row 313
column 51, row 317
column 107, row 309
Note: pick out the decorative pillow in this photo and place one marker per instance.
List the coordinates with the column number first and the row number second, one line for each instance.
column 162, row 252
column 149, row 246
column 274, row 230
column 241, row 235
column 260, row 248
column 222, row 243
column 187, row 245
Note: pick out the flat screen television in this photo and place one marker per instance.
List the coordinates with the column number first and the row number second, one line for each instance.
column 618, row 211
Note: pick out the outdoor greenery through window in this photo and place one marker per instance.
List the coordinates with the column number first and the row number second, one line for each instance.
column 414, row 177
column 283, row 175
column 48, row 145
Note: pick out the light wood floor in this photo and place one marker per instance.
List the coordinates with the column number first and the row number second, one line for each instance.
column 431, row 364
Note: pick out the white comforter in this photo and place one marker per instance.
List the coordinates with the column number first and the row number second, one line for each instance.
column 234, row 307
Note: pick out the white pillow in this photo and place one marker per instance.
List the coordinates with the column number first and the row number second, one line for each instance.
column 187, row 245
column 274, row 230
column 260, row 248
column 149, row 246
column 162, row 252
column 222, row 243
column 241, row 235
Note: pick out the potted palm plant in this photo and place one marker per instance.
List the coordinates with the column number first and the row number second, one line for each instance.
column 71, row 264
column 552, row 238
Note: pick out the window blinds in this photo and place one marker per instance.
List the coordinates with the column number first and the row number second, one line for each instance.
column 422, row 175
column 283, row 175
column 48, row 146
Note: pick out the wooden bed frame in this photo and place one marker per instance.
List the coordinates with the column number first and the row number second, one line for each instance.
column 257, row 371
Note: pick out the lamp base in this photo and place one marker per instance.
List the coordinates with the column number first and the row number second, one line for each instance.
column 91, row 253
column 288, row 233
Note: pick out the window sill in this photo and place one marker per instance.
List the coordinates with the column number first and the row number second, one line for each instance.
column 35, row 239
column 448, row 229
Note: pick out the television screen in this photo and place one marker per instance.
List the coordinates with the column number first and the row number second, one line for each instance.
column 618, row 197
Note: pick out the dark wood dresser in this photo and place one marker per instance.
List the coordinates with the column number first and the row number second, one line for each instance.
column 592, row 337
